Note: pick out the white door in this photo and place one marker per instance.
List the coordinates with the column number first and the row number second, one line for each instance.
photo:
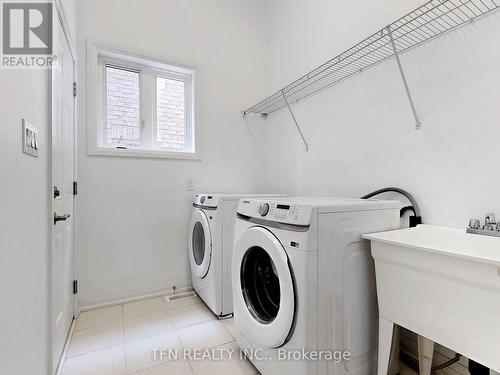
column 263, row 288
column 63, row 176
column 200, row 244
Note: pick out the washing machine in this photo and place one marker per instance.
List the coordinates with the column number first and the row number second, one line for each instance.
column 304, row 291
column 210, row 245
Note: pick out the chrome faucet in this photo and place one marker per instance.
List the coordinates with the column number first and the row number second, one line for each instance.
column 490, row 227
column 490, row 222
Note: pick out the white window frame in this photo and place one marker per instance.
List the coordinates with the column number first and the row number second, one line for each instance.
column 98, row 57
column 188, row 95
column 103, row 102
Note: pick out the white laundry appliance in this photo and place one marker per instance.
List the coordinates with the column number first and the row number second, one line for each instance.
column 303, row 283
column 210, row 243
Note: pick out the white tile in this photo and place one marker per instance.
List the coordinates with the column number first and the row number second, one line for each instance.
column 145, row 307
column 92, row 339
column 229, row 324
column 179, row 367
column 110, row 361
column 204, row 335
column 99, row 317
column 234, row 364
column 143, row 326
column 189, row 315
column 182, row 303
column 140, row 356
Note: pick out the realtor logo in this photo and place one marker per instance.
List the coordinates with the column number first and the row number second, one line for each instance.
column 27, row 40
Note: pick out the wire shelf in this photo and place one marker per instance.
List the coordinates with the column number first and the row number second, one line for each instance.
column 427, row 22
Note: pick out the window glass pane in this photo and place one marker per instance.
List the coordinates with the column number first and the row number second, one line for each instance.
column 122, row 106
column 170, row 113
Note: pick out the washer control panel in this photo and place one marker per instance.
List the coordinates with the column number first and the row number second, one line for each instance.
column 205, row 200
column 281, row 212
column 264, row 209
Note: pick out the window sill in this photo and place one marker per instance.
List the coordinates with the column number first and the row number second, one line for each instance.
column 151, row 154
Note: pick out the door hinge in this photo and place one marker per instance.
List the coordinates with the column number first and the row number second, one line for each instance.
column 57, row 193
column 74, row 89
column 75, row 286
column 75, row 187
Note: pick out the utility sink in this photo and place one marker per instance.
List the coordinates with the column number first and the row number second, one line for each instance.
column 443, row 284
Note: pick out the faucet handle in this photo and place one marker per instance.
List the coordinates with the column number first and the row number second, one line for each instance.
column 475, row 224
column 490, row 221
column 491, row 218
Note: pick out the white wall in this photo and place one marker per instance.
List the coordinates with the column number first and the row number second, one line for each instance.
column 133, row 214
column 361, row 133
column 25, row 223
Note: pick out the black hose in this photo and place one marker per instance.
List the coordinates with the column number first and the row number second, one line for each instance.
column 396, row 190
column 412, row 362
column 407, row 208
column 447, row 363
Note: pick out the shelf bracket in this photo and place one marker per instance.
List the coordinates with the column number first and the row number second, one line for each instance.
column 295, row 120
column 403, row 77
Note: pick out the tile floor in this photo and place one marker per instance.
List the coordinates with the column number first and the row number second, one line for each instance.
column 121, row 339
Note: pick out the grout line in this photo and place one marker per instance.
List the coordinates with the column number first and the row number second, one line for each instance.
column 94, row 351
column 194, row 324
column 174, row 331
column 223, row 344
column 155, row 366
column 104, row 325
column 183, row 348
column 124, row 344
column 102, row 348
column 64, row 354
column 190, row 366
column 151, row 335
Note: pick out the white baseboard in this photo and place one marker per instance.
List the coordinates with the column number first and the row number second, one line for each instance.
column 133, row 298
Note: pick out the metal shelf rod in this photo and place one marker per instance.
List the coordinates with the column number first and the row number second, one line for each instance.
column 403, row 77
column 431, row 20
column 295, row 121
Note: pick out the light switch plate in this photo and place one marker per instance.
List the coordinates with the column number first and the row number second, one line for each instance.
column 30, row 139
column 190, row 184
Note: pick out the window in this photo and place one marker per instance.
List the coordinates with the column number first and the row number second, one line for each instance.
column 170, row 112
column 143, row 107
column 123, row 107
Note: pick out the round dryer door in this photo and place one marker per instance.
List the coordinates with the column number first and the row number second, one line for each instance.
column 264, row 288
column 200, row 244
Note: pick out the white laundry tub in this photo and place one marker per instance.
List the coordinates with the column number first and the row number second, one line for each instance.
column 443, row 284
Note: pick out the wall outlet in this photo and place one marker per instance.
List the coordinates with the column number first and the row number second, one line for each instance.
column 190, row 184
column 30, row 139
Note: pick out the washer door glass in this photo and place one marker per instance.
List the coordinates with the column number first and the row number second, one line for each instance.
column 260, row 285
column 264, row 289
column 200, row 244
